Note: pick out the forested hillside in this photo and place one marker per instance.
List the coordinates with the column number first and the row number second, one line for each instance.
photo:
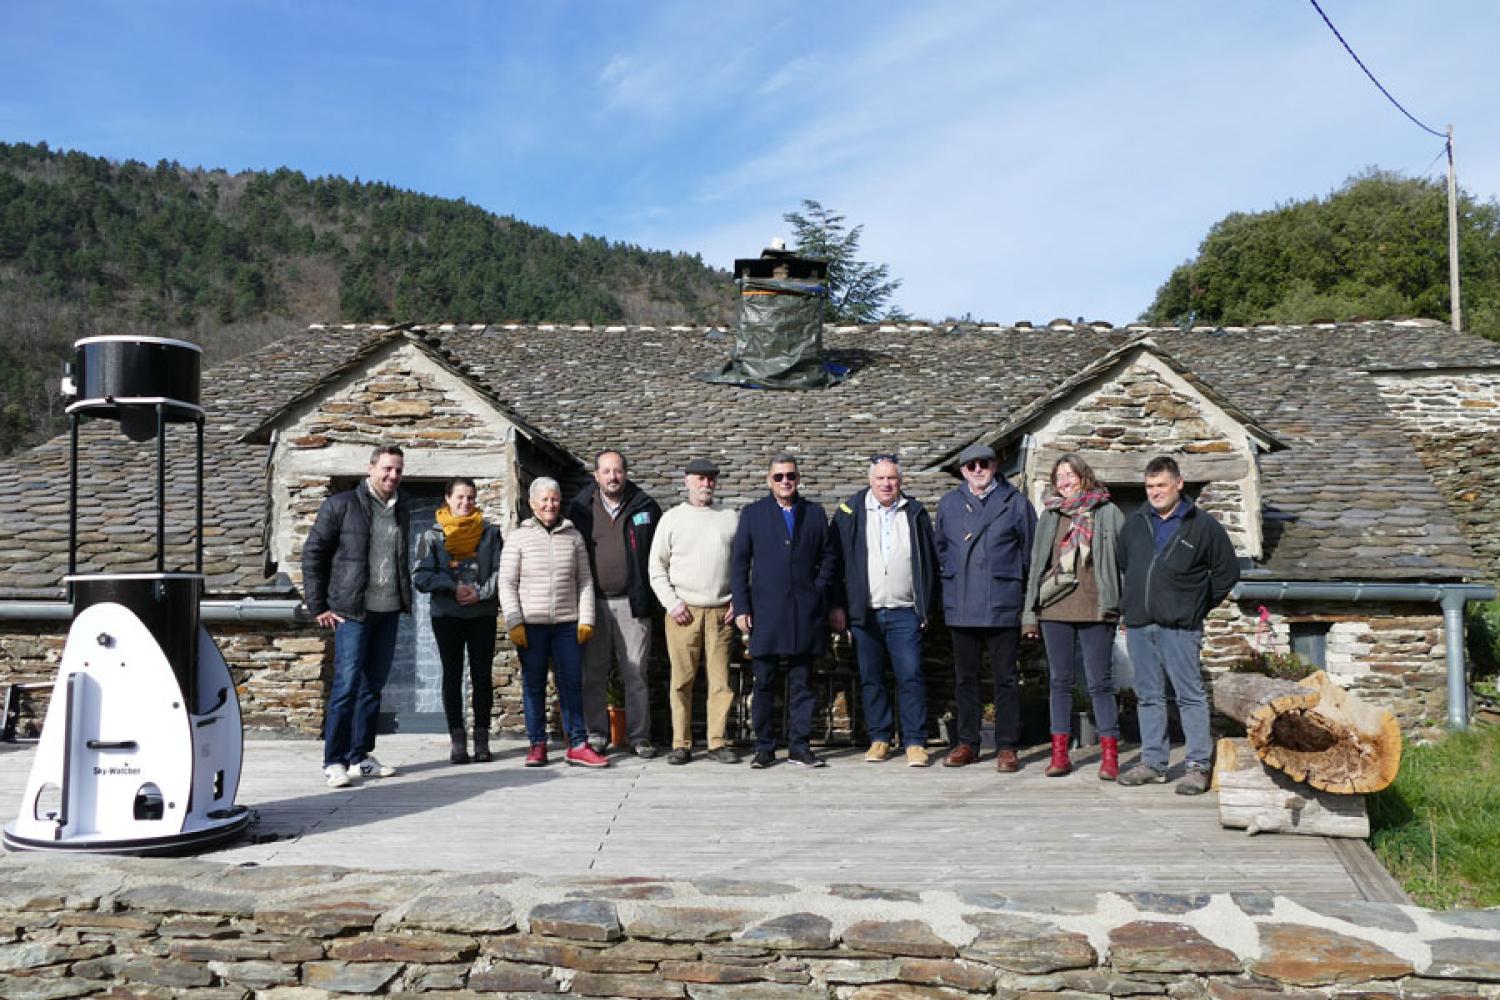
column 1376, row 248
column 232, row 261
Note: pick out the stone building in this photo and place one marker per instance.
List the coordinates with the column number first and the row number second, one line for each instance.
column 1351, row 463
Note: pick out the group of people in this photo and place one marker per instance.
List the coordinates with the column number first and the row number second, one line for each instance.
column 579, row 591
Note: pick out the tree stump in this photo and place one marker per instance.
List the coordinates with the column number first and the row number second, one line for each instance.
column 1314, row 731
column 1257, row 799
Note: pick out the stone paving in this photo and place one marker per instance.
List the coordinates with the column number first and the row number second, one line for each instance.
column 851, row 824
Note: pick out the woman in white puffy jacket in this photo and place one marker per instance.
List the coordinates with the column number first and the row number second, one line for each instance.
column 547, row 597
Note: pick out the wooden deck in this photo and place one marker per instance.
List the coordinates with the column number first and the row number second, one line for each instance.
column 882, row 825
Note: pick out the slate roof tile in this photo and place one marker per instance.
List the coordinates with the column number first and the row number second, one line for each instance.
column 1347, row 499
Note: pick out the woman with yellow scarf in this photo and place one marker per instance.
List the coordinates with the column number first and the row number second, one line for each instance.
column 458, row 563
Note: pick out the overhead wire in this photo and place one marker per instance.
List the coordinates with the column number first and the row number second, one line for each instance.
column 1380, row 86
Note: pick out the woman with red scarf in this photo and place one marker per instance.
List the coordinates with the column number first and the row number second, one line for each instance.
column 1073, row 602
column 458, row 563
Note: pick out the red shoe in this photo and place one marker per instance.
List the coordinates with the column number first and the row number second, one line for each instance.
column 537, row 755
column 1109, row 758
column 585, row 756
column 1059, row 765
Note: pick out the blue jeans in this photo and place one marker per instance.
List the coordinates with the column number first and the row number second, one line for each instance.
column 362, row 653
column 558, row 643
column 894, row 634
column 1161, row 655
column 1095, row 640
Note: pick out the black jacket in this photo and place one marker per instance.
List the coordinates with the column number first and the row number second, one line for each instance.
column 1196, row 569
column 852, row 588
column 336, row 555
column 640, row 514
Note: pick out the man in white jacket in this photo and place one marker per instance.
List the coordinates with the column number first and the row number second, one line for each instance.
column 690, row 576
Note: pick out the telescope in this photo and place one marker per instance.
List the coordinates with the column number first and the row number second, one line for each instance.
column 142, row 742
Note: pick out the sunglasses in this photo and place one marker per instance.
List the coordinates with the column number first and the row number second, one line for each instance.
column 884, row 457
column 977, row 463
column 790, row 477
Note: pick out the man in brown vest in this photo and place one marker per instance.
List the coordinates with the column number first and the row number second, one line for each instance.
column 617, row 520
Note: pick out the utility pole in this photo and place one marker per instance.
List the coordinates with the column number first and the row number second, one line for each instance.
column 1458, row 321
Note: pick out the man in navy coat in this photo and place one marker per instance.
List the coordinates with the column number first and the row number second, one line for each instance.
column 983, row 534
column 781, row 566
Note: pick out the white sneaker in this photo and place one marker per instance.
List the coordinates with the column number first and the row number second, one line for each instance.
column 372, row 768
column 337, row 775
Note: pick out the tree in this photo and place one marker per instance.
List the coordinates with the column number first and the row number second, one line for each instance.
column 857, row 289
column 1375, row 248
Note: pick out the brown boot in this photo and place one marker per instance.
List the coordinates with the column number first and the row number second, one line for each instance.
column 1060, row 764
column 1109, row 758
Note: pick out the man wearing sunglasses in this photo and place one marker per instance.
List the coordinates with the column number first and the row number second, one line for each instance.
column 983, row 536
column 887, row 570
column 781, row 568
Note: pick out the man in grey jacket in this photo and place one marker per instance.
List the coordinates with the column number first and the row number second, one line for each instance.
column 356, row 580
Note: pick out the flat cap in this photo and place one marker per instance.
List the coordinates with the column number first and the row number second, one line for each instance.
column 701, row 467
column 976, row 451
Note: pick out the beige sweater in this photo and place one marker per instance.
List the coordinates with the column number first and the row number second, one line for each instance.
column 544, row 576
column 690, row 556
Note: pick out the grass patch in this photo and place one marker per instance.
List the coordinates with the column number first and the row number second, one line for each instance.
column 1437, row 828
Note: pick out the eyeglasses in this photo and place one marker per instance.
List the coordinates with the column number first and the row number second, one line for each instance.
column 877, row 459
column 974, row 464
column 790, row 477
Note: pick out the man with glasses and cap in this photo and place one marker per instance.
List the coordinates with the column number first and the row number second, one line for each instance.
column 689, row 569
column 781, row 567
column 887, row 571
column 983, row 537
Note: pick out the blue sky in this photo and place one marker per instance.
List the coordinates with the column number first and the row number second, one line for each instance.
column 1011, row 160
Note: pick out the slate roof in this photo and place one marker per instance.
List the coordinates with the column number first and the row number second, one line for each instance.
column 1346, row 499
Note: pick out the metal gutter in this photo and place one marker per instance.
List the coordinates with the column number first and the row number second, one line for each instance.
column 246, row 610
column 1450, row 596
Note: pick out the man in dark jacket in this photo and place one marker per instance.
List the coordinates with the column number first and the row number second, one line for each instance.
column 983, row 537
column 1176, row 565
column 781, row 566
column 886, row 571
column 617, row 520
column 356, row 580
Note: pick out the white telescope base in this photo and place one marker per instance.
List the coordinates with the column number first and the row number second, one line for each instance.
column 124, row 765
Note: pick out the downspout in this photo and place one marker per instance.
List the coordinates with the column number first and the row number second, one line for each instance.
column 1451, row 597
column 245, row 610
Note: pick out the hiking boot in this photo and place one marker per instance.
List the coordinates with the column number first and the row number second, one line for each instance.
column 1143, row 774
column 482, row 746
column 917, row 756
column 724, row 755
column 1109, row 758
column 1059, row 765
column 458, row 751
column 584, row 755
column 370, row 767
column 1194, row 782
column 336, row 775
column 679, row 755
column 879, row 751
column 537, row 755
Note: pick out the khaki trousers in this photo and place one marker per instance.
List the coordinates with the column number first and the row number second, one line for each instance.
column 708, row 636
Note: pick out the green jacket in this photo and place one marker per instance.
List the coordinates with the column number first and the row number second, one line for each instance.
column 1107, row 523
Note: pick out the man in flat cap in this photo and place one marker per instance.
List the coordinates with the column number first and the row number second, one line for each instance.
column 983, row 534
column 689, row 570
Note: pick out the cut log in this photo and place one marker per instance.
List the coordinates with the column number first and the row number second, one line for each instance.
column 1314, row 731
column 1257, row 799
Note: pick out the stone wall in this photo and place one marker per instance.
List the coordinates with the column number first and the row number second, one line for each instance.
column 76, row 927
column 1453, row 419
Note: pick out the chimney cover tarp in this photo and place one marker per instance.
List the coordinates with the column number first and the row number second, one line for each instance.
column 779, row 343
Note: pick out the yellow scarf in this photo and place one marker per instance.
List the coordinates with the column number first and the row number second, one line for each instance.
column 460, row 534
